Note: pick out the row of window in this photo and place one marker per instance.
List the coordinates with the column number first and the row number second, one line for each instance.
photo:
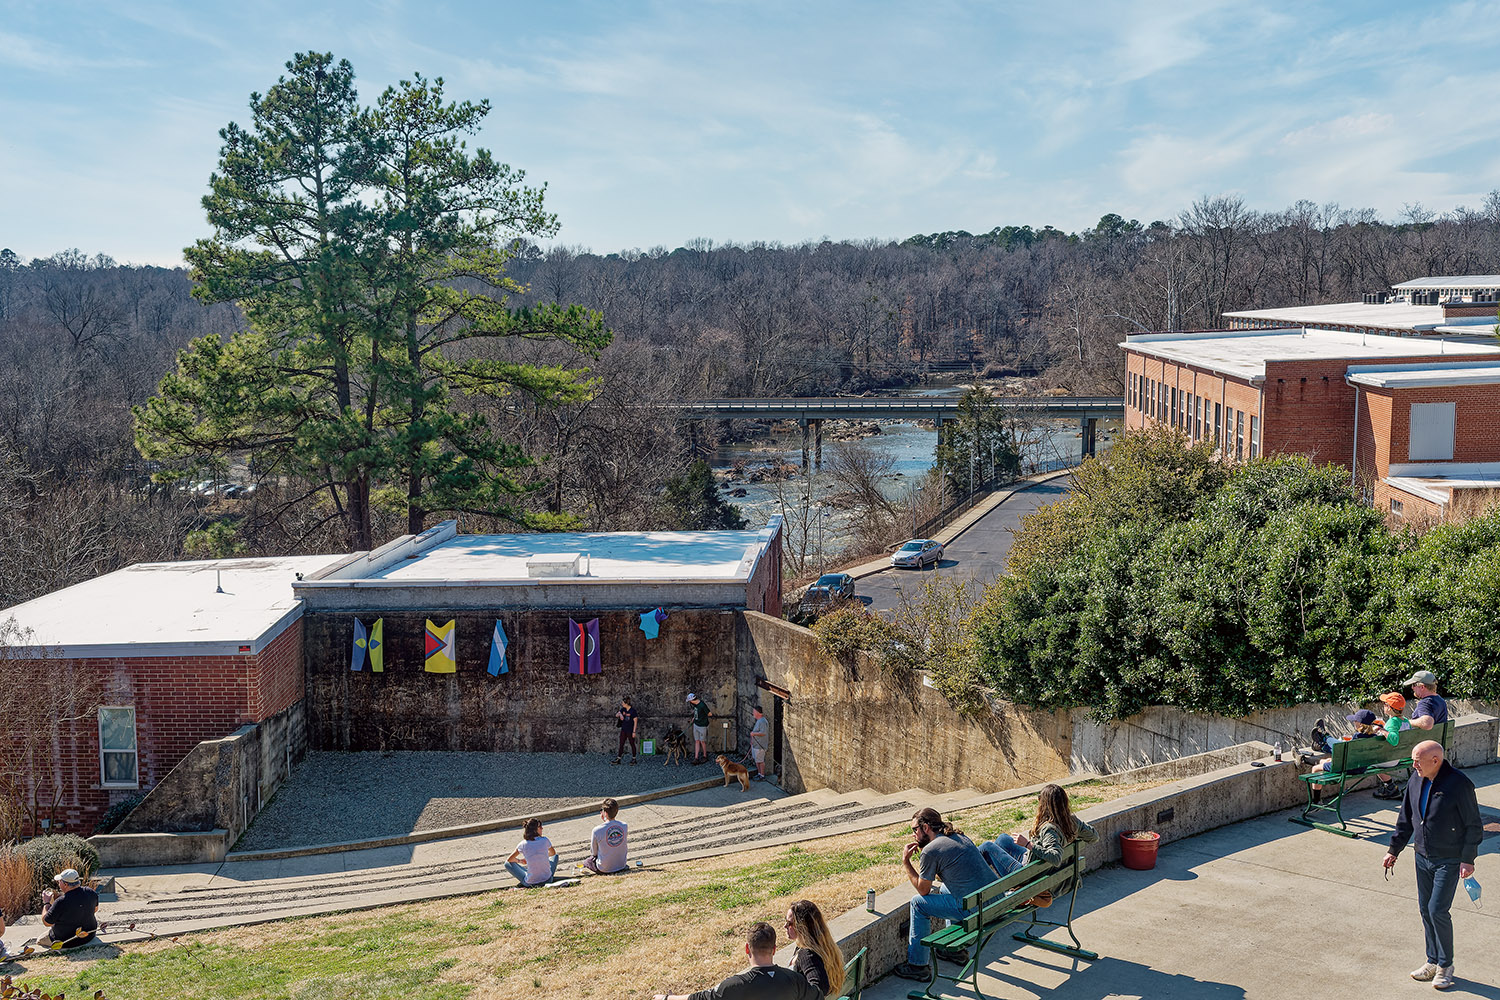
column 1199, row 418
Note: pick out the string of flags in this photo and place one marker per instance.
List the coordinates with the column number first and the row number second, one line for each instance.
column 440, row 651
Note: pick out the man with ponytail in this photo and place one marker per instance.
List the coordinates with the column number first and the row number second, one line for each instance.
column 946, row 855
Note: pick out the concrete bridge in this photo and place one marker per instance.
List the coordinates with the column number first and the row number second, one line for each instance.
column 810, row 412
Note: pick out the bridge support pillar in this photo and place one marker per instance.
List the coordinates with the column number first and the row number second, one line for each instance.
column 817, row 429
column 804, row 424
column 1088, row 425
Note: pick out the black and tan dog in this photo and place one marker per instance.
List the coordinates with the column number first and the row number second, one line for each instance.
column 675, row 746
column 734, row 772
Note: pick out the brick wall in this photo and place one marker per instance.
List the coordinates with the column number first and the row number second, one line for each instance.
column 1193, row 382
column 538, row 705
column 179, row 701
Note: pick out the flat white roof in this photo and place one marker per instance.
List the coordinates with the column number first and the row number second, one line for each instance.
column 644, row 555
column 1244, row 353
column 1453, row 281
column 1436, row 373
column 165, row 609
column 1435, row 481
column 1385, row 316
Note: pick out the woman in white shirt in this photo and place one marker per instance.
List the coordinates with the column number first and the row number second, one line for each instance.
column 534, row 860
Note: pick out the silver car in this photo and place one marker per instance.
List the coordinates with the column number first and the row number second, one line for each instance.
column 918, row 552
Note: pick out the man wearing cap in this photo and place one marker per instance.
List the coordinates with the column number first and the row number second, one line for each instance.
column 69, row 913
column 1440, row 818
column 1430, row 710
column 701, row 715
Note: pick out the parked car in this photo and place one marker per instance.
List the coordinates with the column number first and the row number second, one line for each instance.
column 832, row 587
column 918, row 552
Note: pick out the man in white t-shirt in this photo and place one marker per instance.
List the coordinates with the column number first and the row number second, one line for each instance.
column 607, row 848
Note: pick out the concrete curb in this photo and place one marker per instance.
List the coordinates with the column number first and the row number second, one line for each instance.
column 969, row 518
column 468, row 829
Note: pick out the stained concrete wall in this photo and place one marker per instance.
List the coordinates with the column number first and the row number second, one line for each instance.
column 536, row 706
column 846, row 729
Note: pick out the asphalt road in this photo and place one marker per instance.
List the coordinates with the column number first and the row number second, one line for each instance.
column 978, row 555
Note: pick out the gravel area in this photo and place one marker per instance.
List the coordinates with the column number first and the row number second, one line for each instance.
column 335, row 797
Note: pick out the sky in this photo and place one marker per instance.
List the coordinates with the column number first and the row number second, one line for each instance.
column 653, row 124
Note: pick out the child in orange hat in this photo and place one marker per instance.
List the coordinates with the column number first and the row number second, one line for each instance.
column 1393, row 703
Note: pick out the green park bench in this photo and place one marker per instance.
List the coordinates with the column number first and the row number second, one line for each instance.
column 1355, row 762
column 1006, row 902
column 854, row 976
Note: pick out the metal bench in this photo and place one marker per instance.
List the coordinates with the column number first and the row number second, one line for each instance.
column 1353, row 762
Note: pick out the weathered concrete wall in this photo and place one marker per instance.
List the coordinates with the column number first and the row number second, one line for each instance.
column 537, row 706
column 847, row 731
column 1162, row 733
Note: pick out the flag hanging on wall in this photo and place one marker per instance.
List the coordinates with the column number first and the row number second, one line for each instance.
column 361, row 641
column 651, row 622
column 439, row 644
column 583, row 647
column 377, row 647
column 498, row 643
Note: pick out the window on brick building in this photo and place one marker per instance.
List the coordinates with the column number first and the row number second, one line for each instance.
column 1431, row 432
column 1239, row 435
column 117, row 752
column 1396, row 506
column 1218, row 421
column 1254, row 435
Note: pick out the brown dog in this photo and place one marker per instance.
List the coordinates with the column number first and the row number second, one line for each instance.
column 675, row 747
column 733, row 771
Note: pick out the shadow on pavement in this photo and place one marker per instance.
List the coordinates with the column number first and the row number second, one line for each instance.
column 1099, row 980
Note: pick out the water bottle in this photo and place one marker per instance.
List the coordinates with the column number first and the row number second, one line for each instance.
column 1278, row 750
column 870, row 900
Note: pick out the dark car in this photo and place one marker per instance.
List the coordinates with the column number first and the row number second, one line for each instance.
column 831, row 587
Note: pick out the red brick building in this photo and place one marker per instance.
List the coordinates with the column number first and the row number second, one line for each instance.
column 1296, row 391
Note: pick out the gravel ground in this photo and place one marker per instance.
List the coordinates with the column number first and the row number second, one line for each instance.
column 334, row 797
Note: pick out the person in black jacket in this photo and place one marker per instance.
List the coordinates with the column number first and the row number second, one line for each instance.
column 1440, row 818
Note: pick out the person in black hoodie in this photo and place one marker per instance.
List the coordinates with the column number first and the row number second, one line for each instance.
column 1440, row 818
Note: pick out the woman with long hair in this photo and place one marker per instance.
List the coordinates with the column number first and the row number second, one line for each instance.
column 1054, row 828
column 818, row 957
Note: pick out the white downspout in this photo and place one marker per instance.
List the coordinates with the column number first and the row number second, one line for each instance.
column 1354, row 456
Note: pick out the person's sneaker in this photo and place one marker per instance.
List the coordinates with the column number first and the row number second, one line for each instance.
column 1443, row 979
column 615, row 761
column 1389, row 790
column 1424, row 972
column 958, row 956
column 906, row 970
column 633, row 760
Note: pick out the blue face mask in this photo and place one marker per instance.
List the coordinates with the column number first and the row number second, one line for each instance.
column 1471, row 886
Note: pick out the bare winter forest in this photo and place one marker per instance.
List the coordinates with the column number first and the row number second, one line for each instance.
column 83, row 339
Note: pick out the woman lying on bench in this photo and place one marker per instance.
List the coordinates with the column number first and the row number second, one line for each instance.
column 1054, row 828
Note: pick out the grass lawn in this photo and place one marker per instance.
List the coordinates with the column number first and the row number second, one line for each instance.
column 677, row 928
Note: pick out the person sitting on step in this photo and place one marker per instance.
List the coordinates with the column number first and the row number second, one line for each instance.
column 534, row 861
column 607, row 847
column 818, row 957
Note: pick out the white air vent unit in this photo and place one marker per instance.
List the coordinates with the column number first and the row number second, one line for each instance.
column 553, row 564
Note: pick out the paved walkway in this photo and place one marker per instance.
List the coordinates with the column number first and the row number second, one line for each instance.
column 1262, row 909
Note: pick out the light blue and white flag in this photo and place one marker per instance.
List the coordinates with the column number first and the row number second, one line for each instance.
column 497, row 651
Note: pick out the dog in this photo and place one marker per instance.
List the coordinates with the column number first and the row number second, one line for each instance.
column 675, row 744
column 734, row 772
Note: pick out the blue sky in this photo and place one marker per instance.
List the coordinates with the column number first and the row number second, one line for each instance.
column 653, row 124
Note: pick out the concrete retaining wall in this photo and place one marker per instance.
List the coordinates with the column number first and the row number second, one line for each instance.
column 206, row 801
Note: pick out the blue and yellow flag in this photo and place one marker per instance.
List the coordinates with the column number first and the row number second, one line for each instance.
column 440, row 655
column 361, row 641
column 376, row 644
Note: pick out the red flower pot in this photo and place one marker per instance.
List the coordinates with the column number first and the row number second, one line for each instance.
column 1138, row 849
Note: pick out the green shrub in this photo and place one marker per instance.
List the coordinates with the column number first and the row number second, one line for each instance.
column 50, row 855
column 845, row 632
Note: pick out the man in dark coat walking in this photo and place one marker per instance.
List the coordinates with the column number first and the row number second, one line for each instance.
column 1440, row 819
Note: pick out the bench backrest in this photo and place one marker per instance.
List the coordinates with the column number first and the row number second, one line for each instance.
column 1032, row 879
column 1364, row 752
column 854, row 976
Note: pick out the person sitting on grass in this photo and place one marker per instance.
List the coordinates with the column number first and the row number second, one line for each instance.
column 534, row 860
column 818, row 957
column 1054, row 828
column 607, row 847
column 946, row 855
column 764, row 980
column 69, row 913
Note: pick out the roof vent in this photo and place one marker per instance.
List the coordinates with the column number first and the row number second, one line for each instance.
column 558, row 564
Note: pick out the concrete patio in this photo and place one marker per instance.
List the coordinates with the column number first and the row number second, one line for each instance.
column 1261, row 909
